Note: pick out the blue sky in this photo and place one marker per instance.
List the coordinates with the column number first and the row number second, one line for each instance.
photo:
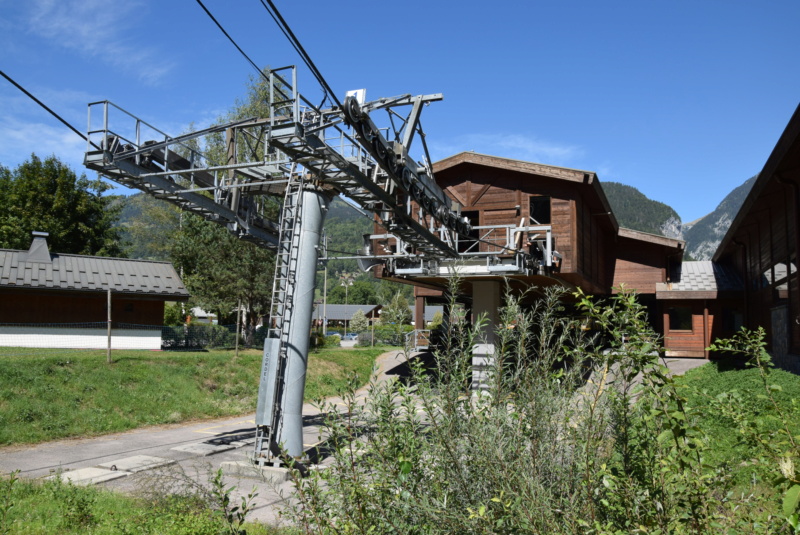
column 683, row 100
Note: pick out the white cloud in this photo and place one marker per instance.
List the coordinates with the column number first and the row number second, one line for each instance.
column 514, row 146
column 99, row 29
column 19, row 139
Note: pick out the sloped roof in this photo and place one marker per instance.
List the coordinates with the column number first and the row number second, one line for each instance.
column 38, row 269
column 656, row 239
column 784, row 157
column 702, row 279
column 341, row 312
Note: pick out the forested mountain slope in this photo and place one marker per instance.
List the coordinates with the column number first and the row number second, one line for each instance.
column 635, row 211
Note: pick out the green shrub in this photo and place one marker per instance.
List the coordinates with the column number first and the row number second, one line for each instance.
column 571, row 436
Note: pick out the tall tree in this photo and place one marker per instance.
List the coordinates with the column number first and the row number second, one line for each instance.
column 221, row 271
column 46, row 195
column 397, row 312
column 147, row 225
column 358, row 293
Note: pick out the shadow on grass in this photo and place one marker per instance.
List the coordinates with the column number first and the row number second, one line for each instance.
column 727, row 362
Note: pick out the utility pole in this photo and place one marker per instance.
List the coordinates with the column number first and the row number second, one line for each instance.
column 108, row 350
column 346, row 282
column 325, row 285
column 238, row 323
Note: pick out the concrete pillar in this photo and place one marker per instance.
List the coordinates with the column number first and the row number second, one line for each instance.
column 486, row 303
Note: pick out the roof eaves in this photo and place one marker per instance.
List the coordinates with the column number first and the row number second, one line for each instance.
column 651, row 238
column 475, row 158
column 788, row 139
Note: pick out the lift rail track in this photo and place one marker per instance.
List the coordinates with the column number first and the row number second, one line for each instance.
column 341, row 150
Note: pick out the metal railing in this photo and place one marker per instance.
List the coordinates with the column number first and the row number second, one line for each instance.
column 418, row 340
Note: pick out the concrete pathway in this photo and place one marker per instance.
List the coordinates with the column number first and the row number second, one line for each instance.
column 164, row 457
column 168, row 457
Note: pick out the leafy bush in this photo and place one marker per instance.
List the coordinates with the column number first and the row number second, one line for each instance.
column 570, row 436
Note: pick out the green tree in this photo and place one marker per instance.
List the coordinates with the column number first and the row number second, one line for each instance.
column 359, row 322
column 397, row 312
column 360, row 293
column 437, row 320
column 147, row 225
column 220, row 271
column 47, row 196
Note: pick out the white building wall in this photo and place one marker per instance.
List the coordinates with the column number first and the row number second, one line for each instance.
column 88, row 338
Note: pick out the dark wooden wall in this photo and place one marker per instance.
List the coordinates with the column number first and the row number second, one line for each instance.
column 639, row 265
column 74, row 307
column 765, row 238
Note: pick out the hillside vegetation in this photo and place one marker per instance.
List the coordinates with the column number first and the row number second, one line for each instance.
column 635, row 211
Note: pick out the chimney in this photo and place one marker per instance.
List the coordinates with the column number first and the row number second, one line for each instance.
column 39, row 251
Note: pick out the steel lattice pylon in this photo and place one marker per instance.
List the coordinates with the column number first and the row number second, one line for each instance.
column 306, row 156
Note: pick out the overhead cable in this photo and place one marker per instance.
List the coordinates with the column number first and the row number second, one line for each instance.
column 287, row 31
column 242, row 52
column 42, row 104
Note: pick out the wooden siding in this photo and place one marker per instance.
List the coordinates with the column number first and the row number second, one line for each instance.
column 51, row 307
column 562, row 219
column 684, row 343
column 639, row 266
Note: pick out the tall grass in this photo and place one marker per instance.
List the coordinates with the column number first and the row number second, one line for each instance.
column 57, row 506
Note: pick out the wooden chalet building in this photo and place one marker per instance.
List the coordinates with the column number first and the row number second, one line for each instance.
column 761, row 247
column 61, row 300
column 514, row 206
column 589, row 249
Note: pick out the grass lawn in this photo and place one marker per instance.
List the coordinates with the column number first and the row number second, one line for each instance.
column 46, row 507
column 52, row 394
column 729, row 447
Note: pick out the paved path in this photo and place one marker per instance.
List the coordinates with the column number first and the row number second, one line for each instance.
column 146, row 459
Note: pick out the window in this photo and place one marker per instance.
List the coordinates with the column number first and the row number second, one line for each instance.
column 680, row 318
column 540, row 210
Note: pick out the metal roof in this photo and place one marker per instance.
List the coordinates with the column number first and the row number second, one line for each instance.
column 38, row 269
column 341, row 312
column 701, row 276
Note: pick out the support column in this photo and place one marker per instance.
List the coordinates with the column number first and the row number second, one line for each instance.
column 419, row 312
column 289, row 428
column 485, row 303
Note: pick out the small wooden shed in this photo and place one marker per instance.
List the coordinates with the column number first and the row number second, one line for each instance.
column 61, row 300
